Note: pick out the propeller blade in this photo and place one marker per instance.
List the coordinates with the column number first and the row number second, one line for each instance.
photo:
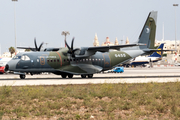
column 35, row 44
column 72, row 43
column 67, row 45
column 40, row 46
column 71, row 49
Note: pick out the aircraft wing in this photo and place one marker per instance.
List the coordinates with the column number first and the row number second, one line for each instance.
column 32, row 49
column 106, row 48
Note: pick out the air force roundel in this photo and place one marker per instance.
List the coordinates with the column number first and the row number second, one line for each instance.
column 147, row 30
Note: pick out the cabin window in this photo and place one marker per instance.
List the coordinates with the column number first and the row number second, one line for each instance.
column 17, row 57
column 51, row 60
column 54, row 60
column 58, row 60
column 38, row 60
column 25, row 58
column 67, row 60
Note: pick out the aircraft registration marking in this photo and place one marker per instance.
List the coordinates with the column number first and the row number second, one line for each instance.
column 120, row 55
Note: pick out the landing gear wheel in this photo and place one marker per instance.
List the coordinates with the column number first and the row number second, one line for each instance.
column 63, row 75
column 22, row 76
column 70, row 75
column 83, row 76
column 90, row 75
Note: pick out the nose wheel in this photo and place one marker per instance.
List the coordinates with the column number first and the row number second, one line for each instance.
column 22, row 76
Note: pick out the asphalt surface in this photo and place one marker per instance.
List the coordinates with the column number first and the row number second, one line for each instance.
column 131, row 75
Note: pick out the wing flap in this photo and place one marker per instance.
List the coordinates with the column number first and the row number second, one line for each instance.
column 116, row 47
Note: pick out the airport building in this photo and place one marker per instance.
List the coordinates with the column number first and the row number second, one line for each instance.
column 8, row 54
column 169, row 45
column 107, row 41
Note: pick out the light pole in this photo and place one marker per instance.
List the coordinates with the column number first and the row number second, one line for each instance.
column 175, row 5
column 0, row 50
column 15, row 23
column 46, row 44
column 65, row 33
column 121, row 42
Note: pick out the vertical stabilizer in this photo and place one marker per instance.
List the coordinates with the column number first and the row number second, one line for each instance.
column 148, row 32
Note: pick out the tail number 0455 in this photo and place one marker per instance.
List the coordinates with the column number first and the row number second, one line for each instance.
column 120, row 55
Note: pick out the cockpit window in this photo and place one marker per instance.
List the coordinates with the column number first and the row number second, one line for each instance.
column 25, row 58
column 17, row 57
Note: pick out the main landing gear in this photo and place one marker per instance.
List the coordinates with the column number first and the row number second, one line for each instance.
column 65, row 75
column 82, row 76
column 89, row 76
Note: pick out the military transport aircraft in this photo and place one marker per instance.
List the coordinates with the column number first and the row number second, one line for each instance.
column 84, row 61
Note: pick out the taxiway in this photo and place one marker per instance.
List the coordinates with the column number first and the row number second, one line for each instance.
column 131, row 75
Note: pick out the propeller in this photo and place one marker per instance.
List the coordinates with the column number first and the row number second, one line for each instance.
column 36, row 48
column 71, row 49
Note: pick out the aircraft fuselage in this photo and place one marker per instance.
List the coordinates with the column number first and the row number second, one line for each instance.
column 59, row 63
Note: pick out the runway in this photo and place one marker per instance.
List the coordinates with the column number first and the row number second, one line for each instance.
column 131, row 75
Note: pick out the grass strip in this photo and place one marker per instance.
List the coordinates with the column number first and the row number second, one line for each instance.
column 98, row 101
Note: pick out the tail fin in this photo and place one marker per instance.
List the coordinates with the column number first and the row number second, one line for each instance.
column 148, row 32
column 158, row 54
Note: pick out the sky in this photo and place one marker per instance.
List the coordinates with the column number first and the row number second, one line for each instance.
column 46, row 19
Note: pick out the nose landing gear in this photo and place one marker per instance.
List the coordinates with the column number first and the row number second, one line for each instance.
column 22, row 76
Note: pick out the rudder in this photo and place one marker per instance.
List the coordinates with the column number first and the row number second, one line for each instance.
column 148, row 32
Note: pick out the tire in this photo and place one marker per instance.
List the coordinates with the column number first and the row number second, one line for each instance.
column 22, row 76
column 83, row 76
column 70, row 75
column 90, row 75
column 63, row 75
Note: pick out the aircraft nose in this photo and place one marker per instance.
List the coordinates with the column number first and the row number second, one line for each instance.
column 11, row 65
